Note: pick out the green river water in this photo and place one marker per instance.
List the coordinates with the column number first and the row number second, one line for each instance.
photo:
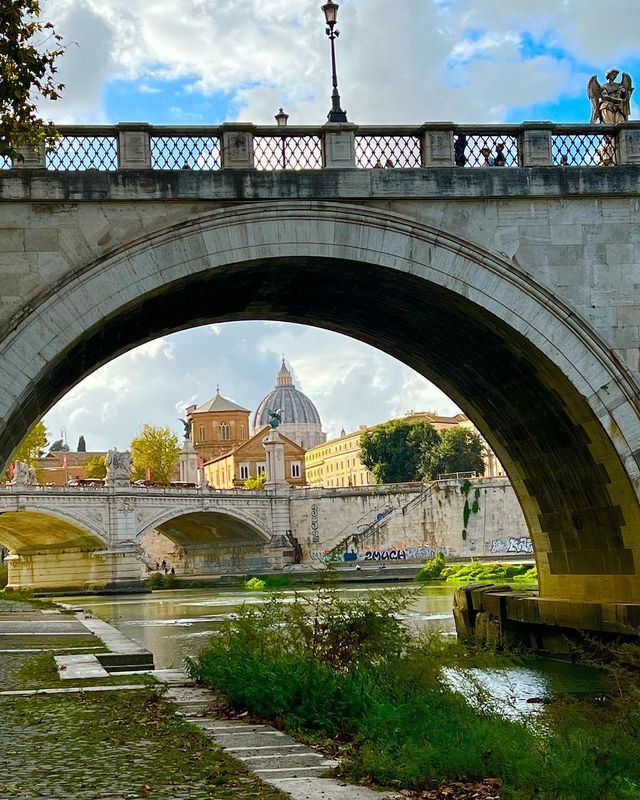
column 173, row 624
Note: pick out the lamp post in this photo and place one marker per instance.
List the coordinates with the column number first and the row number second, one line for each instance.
column 330, row 11
column 281, row 119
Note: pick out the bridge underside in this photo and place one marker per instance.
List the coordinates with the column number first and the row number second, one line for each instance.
column 425, row 302
column 51, row 553
column 214, row 543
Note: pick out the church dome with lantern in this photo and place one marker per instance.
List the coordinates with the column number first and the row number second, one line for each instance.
column 300, row 418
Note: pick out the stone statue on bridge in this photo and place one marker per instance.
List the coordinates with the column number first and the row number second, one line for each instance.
column 610, row 103
column 118, row 468
column 23, row 474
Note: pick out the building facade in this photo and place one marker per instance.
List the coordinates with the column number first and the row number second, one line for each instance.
column 249, row 460
column 337, row 463
column 217, row 427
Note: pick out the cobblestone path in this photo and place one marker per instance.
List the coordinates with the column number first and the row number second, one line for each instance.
column 106, row 745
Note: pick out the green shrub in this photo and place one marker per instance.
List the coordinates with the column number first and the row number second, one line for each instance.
column 160, row 581
column 4, row 575
column 431, row 570
column 486, row 572
column 254, row 585
column 347, row 670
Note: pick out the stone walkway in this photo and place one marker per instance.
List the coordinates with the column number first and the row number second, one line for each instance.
column 101, row 736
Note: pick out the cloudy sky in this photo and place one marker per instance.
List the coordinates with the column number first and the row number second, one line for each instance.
column 204, row 62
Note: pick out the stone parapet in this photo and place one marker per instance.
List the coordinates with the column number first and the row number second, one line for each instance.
column 498, row 615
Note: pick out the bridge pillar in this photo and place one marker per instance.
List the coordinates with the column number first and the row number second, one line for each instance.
column 338, row 146
column 73, row 569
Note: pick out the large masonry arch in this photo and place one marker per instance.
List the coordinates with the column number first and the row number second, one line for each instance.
column 555, row 403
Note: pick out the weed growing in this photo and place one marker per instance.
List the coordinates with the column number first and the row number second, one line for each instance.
column 475, row 572
column 347, row 673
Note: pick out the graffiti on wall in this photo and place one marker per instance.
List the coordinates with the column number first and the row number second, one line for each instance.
column 315, row 527
column 520, row 545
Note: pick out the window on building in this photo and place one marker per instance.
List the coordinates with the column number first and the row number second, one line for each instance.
column 261, row 469
column 241, row 430
column 201, row 436
column 225, row 431
column 295, row 469
column 244, row 472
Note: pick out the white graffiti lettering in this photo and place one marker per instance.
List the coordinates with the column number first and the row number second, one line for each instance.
column 511, row 545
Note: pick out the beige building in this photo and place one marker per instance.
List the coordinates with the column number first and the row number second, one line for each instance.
column 60, row 466
column 337, row 464
column 217, row 427
column 249, row 460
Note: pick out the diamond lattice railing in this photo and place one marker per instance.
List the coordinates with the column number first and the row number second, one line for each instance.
column 468, row 149
column 583, row 149
column 287, row 152
column 185, row 152
column 378, row 152
column 84, row 152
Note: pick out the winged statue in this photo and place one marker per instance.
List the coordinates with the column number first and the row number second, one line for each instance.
column 275, row 418
column 610, row 103
column 187, row 427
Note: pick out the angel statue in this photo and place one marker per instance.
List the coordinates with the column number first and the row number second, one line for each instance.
column 187, row 427
column 610, row 103
column 275, row 418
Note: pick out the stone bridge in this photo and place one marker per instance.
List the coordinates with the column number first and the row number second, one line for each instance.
column 89, row 537
column 514, row 289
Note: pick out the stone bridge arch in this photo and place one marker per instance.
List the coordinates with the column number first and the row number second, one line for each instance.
column 551, row 398
column 238, row 519
column 34, row 527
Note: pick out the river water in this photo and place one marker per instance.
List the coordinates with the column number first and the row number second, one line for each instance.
column 174, row 624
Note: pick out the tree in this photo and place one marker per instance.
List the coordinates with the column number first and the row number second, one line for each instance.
column 460, row 450
column 255, row 483
column 95, row 466
column 30, row 448
column 155, row 449
column 59, row 447
column 82, row 445
column 397, row 451
column 27, row 71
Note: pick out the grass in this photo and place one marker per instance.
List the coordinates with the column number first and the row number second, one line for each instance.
column 267, row 583
column 24, row 596
column 347, row 674
column 475, row 572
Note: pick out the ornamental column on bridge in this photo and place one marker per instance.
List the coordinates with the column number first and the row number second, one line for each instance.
column 277, row 483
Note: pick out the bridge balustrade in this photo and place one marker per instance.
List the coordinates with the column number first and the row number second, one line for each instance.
column 270, row 148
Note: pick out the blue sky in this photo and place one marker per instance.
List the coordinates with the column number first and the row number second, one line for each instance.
column 198, row 62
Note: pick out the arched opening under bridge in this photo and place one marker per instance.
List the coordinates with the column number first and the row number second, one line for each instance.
column 207, row 542
column 546, row 393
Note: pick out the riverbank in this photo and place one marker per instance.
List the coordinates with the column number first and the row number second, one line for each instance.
column 76, row 732
column 420, row 711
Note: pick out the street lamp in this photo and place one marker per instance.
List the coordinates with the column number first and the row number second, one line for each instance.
column 281, row 119
column 330, row 11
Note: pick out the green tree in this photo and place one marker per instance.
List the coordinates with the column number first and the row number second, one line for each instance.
column 459, row 450
column 157, row 450
column 255, row 483
column 59, row 447
column 82, row 445
column 95, row 466
column 30, row 448
column 398, row 450
column 27, row 70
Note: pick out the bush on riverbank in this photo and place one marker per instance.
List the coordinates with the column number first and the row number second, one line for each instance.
column 474, row 572
column 347, row 671
column 267, row 583
column 160, row 581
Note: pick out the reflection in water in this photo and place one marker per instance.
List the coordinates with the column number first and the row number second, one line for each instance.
column 175, row 624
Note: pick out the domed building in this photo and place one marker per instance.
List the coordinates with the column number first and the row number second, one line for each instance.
column 300, row 419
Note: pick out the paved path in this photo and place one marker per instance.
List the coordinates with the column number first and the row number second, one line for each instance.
column 50, row 745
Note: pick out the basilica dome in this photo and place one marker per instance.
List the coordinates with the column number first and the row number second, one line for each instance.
column 300, row 418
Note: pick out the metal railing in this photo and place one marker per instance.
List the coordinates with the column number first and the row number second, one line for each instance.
column 268, row 148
